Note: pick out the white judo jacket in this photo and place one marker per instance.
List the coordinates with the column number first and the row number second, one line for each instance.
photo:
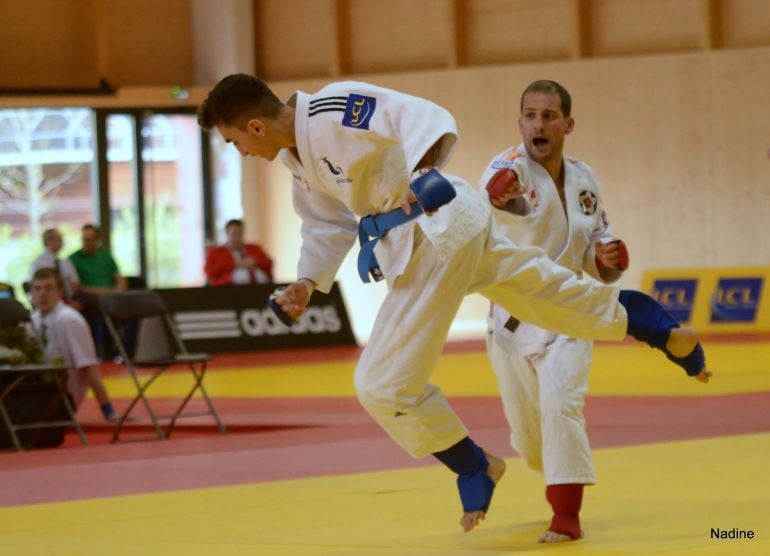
column 568, row 239
column 358, row 146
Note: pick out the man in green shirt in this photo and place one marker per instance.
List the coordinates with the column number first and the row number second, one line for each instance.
column 96, row 268
column 99, row 275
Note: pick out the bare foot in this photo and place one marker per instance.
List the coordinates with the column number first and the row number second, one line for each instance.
column 552, row 536
column 681, row 342
column 495, row 471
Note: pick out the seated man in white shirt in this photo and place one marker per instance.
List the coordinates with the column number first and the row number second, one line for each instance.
column 52, row 242
column 65, row 336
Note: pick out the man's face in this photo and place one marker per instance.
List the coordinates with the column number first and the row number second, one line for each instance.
column 543, row 126
column 235, row 236
column 91, row 241
column 53, row 243
column 255, row 140
column 46, row 293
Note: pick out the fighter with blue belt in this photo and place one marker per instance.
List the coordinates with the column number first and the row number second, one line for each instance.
column 354, row 150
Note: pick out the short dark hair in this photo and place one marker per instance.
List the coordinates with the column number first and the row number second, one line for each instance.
column 46, row 273
column 48, row 234
column 549, row 87
column 235, row 98
column 92, row 227
column 233, row 222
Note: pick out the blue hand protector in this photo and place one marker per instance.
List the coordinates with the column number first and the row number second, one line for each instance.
column 432, row 190
column 273, row 304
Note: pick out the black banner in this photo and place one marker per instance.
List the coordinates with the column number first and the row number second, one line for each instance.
column 219, row 319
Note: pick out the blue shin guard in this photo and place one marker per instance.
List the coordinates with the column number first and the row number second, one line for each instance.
column 649, row 322
column 470, row 463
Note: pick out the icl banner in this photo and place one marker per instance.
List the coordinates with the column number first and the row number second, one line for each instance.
column 713, row 300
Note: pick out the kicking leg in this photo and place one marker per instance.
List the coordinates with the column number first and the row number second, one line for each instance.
column 649, row 322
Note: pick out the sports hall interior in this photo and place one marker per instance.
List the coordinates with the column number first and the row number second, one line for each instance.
column 670, row 107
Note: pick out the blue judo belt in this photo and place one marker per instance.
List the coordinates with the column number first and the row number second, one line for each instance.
column 370, row 229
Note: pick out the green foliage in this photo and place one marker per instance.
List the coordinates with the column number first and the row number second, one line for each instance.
column 17, row 346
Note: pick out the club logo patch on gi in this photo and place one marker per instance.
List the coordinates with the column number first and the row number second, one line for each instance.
column 359, row 111
column 337, row 172
column 676, row 296
column 736, row 300
column 507, row 160
column 533, row 198
column 587, row 202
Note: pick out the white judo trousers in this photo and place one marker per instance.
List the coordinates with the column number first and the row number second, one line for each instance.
column 543, row 398
column 393, row 375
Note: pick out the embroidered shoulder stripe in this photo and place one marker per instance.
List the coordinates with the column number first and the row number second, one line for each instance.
column 327, row 99
column 315, row 111
column 328, row 103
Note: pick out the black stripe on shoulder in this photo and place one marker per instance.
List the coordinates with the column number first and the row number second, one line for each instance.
column 313, row 112
column 337, row 103
column 326, row 99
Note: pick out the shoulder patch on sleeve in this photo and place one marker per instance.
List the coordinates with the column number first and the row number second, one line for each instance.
column 506, row 160
column 359, row 111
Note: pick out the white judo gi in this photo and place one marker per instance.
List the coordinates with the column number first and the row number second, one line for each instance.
column 543, row 376
column 358, row 146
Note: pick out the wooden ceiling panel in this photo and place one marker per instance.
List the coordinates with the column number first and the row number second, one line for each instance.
column 399, row 35
column 620, row 27
column 294, row 38
column 505, row 31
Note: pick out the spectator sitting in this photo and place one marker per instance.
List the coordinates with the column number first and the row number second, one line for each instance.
column 237, row 262
column 63, row 332
column 52, row 243
column 99, row 275
column 97, row 269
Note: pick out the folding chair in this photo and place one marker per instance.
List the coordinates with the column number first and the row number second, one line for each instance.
column 37, row 412
column 158, row 347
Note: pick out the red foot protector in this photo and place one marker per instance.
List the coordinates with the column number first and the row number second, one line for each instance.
column 566, row 501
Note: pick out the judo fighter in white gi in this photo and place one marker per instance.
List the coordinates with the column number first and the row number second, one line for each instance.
column 553, row 202
column 358, row 151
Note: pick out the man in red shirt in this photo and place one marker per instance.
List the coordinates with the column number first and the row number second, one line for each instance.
column 237, row 262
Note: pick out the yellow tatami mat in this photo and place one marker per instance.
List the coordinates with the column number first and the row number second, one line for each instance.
column 654, row 499
column 617, row 370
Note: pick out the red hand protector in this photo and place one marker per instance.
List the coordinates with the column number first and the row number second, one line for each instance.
column 501, row 181
column 624, row 260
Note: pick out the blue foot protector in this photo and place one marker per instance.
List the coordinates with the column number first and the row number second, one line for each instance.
column 649, row 322
column 693, row 364
column 476, row 488
column 470, row 463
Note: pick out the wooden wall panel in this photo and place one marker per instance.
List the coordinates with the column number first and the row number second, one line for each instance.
column 399, row 35
column 619, row 27
column 149, row 42
column 505, row 31
column 46, row 43
column 294, row 38
column 745, row 22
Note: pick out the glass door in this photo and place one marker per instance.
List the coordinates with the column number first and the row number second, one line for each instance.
column 155, row 195
column 173, row 200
